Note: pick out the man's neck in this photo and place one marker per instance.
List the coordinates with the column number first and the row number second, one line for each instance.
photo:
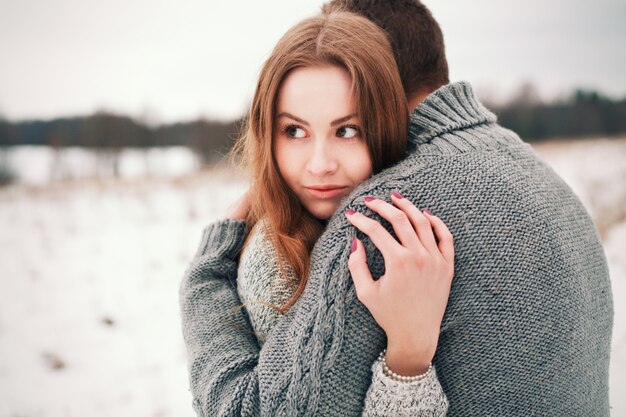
column 417, row 99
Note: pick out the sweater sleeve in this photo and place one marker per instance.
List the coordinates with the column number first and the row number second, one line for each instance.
column 221, row 348
column 387, row 397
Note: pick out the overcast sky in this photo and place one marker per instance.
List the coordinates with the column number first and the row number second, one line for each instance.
column 169, row 61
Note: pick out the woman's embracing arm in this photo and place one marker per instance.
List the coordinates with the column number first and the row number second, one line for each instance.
column 407, row 301
column 222, row 349
column 224, row 353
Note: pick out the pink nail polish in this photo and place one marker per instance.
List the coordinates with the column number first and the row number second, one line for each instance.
column 353, row 245
column 350, row 211
column 368, row 198
column 428, row 212
column 396, row 194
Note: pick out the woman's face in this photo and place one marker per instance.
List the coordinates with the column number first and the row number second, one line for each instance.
column 319, row 143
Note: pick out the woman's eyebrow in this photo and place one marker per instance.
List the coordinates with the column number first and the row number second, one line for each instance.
column 291, row 116
column 299, row 120
column 343, row 119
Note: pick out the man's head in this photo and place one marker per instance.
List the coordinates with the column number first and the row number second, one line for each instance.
column 416, row 39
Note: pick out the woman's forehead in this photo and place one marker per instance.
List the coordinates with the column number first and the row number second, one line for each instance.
column 316, row 93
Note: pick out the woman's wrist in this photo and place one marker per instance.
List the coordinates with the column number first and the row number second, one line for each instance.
column 406, row 359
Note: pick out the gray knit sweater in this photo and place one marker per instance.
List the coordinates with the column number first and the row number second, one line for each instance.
column 528, row 324
column 260, row 281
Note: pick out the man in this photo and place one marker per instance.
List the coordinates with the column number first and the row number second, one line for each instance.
column 503, row 380
column 528, row 324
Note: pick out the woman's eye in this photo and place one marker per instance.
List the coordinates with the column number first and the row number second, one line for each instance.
column 294, row 131
column 348, row 131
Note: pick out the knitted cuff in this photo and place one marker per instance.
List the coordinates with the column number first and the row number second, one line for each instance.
column 223, row 238
column 386, row 396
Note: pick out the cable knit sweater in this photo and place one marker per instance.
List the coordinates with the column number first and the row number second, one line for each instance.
column 260, row 281
column 528, row 324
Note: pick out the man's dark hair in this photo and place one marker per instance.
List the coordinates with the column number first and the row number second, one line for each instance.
column 415, row 36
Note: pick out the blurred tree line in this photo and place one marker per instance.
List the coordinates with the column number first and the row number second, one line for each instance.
column 110, row 133
column 583, row 114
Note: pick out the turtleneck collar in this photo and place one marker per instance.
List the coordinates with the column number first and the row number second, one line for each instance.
column 451, row 107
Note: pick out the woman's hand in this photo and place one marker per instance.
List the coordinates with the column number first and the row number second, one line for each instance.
column 409, row 300
column 240, row 208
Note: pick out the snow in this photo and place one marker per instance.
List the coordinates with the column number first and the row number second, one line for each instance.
column 90, row 269
column 40, row 165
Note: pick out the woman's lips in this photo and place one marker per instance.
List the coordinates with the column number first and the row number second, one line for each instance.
column 326, row 191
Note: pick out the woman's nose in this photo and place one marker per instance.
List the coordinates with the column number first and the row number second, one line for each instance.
column 322, row 161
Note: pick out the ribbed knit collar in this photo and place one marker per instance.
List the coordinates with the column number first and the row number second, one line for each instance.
column 452, row 107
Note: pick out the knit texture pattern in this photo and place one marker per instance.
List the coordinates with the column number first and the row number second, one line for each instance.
column 259, row 281
column 527, row 329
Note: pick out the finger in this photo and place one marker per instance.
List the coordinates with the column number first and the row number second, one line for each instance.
column 419, row 221
column 360, row 272
column 383, row 240
column 446, row 240
column 399, row 220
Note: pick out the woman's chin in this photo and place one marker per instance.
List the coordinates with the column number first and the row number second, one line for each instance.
column 323, row 211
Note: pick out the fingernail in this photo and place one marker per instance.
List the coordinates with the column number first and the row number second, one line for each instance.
column 368, row 198
column 353, row 245
column 350, row 211
column 396, row 194
column 428, row 212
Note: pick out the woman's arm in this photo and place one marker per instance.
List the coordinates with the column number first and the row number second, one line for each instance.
column 223, row 352
column 408, row 302
column 386, row 396
column 221, row 347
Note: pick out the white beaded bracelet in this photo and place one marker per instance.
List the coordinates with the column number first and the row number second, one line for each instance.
column 401, row 378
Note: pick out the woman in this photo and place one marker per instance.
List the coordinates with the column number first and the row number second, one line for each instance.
column 323, row 120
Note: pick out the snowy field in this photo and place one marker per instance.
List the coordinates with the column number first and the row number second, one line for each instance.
column 90, row 269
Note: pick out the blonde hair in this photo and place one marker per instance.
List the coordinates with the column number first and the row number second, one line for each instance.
column 361, row 48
